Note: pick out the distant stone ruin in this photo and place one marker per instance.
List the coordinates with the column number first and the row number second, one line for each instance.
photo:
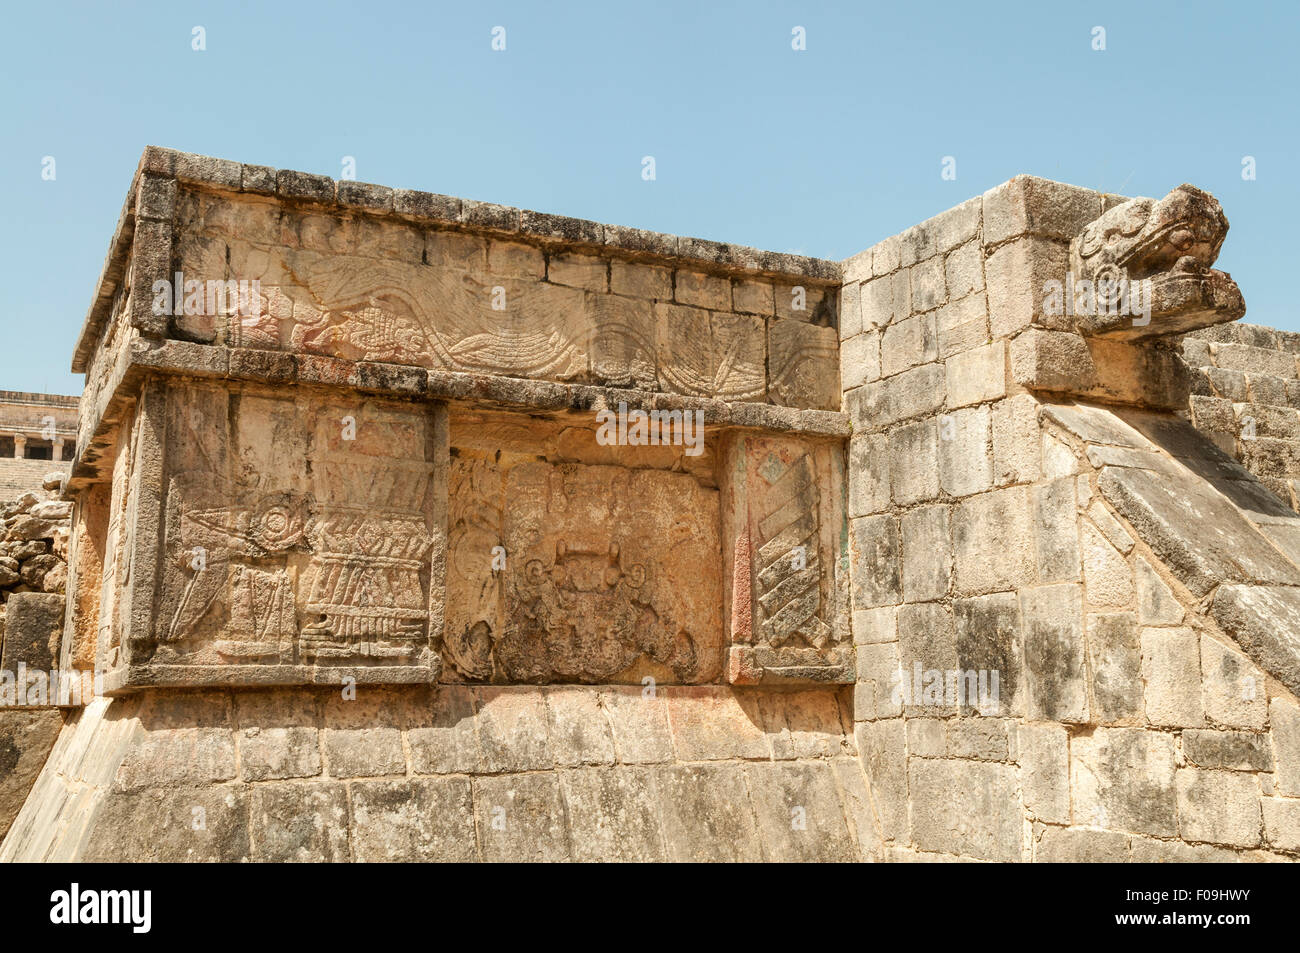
column 412, row 550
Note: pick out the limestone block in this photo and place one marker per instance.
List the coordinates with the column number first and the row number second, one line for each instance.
column 860, row 359
column 989, row 643
column 1028, row 205
column 868, row 475
column 907, row 343
column 909, row 394
column 32, row 627
column 1232, row 687
column 927, row 554
column 803, row 363
column 513, row 728
column 703, row 291
column 883, row 748
column 965, row 460
column 1230, row 750
column 1057, row 531
column 152, row 825
column 798, row 813
column 723, row 355
column 980, row 739
column 967, row 808
column 993, row 544
column 1044, row 761
column 1284, row 719
column 926, row 738
column 26, row 738
column 414, row 819
column 962, row 325
column 521, row 817
column 578, row 271
column 1016, row 443
column 927, row 652
column 1170, row 518
column 876, row 569
column 578, row 732
column 301, row 823
column 914, row 462
column 613, row 815
column 873, row 626
column 705, row 813
column 639, row 723
column 1265, row 621
column 1115, row 660
column 1105, row 571
column 1055, row 670
column 877, row 304
column 1282, row 822
column 1172, row 673
column 977, row 375
column 1221, row 807
column 1079, row 845
column 1123, row 778
column 712, row 723
column 640, row 280
column 964, row 270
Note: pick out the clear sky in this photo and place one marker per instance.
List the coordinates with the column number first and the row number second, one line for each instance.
column 822, row 151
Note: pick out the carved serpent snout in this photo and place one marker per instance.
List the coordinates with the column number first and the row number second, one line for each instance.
column 1143, row 237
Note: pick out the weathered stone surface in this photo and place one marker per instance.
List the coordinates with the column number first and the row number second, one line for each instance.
column 303, row 823
column 1155, row 601
column 927, row 557
column 1170, row 517
column 1284, row 719
column 1114, row 657
column 1172, row 673
column 1044, row 758
column 613, row 815
column 1221, row 807
column 521, row 817
column 415, row 819
column 33, row 624
column 1055, row 670
column 1232, row 687
column 993, row 546
column 26, row 738
column 989, row 640
column 1265, row 621
column 799, row 814
column 1080, row 846
column 706, row 813
column 1123, row 778
column 967, row 808
column 1231, row 750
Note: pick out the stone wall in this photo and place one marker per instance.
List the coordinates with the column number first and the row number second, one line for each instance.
column 33, row 573
column 1246, row 397
column 458, row 773
column 1070, row 547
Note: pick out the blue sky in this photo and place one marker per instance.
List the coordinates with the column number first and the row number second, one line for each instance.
column 822, row 151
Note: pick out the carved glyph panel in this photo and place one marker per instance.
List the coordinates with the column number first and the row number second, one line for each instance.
column 577, row 571
column 300, row 531
column 789, row 597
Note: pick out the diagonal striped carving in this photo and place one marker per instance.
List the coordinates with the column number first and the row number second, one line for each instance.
column 789, row 590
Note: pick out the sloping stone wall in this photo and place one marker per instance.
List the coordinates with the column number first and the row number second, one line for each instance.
column 1246, row 397
column 510, row 773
